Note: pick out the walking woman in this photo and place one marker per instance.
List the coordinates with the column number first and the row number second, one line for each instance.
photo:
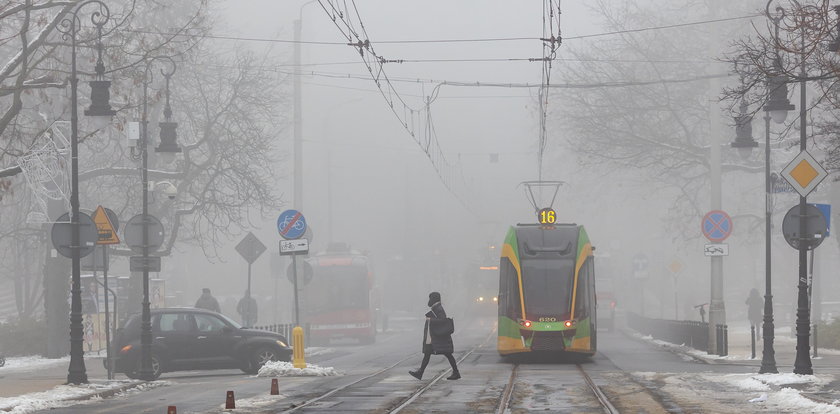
column 436, row 342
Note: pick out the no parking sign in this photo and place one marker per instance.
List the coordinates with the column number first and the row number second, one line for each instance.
column 716, row 226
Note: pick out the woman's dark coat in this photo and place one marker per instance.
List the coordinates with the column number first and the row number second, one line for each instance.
column 441, row 344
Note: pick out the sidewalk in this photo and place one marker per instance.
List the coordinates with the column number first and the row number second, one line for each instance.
column 826, row 364
column 29, row 383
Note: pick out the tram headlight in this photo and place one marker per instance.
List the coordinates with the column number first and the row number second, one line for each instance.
column 495, row 299
column 481, row 298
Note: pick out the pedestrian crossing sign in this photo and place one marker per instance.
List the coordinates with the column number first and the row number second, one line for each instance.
column 104, row 227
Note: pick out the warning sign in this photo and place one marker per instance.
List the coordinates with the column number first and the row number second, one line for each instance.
column 104, row 227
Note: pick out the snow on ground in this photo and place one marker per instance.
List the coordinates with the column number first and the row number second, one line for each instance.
column 31, row 363
column 317, row 350
column 66, row 395
column 746, row 392
column 790, row 400
column 257, row 402
column 286, row 369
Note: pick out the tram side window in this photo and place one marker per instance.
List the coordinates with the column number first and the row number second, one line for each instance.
column 509, row 290
column 583, row 296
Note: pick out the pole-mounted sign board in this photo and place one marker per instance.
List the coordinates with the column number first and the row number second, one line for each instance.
column 804, row 173
column 716, row 226
column 291, row 224
column 105, row 226
column 140, row 264
column 250, row 248
column 716, row 249
column 289, row 247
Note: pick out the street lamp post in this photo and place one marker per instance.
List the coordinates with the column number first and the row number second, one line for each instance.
column 100, row 107
column 802, row 364
column 776, row 108
column 167, row 145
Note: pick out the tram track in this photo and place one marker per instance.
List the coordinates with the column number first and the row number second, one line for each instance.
column 505, row 399
column 406, row 401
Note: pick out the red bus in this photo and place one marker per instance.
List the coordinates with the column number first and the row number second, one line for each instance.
column 339, row 302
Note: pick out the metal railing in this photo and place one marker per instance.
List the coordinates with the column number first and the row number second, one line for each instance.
column 284, row 329
column 693, row 334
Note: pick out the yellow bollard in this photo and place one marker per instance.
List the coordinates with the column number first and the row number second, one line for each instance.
column 297, row 348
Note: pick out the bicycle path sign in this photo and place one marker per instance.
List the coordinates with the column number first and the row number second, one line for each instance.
column 716, row 226
column 291, row 224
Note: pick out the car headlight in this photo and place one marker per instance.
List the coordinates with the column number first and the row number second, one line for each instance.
column 281, row 343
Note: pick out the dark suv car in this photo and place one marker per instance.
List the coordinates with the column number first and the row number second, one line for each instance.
column 188, row 338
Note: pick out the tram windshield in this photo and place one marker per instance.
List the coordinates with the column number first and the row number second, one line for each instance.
column 547, row 286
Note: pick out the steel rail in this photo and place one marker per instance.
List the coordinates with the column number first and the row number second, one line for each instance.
column 508, row 392
column 602, row 398
column 415, row 394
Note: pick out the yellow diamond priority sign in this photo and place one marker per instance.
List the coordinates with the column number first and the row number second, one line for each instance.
column 804, row 173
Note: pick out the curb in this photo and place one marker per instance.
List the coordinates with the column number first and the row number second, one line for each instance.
column 673, row 348
column 106, row 393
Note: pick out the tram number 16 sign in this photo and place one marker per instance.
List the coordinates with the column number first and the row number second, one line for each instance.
column 547, row 216
column 716, row 226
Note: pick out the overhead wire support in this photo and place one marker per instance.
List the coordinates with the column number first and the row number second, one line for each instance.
column 346, row 19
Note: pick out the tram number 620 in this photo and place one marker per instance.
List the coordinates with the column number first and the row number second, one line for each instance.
column 547, row 216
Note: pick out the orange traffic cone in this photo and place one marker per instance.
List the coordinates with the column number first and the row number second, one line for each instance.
column 171, row 410
column 229, row 402
column 275, row 387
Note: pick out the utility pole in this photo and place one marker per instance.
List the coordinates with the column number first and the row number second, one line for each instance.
column 717, row 310
column 298, row 127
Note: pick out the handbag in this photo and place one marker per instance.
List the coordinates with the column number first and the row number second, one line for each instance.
column 442, row 326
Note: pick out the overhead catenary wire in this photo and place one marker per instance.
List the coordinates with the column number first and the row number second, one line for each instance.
column 421, row 41
column 349, row 22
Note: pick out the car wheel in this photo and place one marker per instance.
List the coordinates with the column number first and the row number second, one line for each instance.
column 157, row 369
column 261, row 355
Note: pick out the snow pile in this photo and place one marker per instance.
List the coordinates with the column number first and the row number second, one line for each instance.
column 286, row 369
column 760, row 398
column 66, row 395
column 31, row 363
column 747, row 382
column 791, row 379
column 790, row 400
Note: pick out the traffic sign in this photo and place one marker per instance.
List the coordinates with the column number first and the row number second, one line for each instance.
column 804, row 173
column 675, row 266
column 62, row 235
column 289, row 247
column 815, row 227
column 105, row 228
column 716, row 226
column 141, row 264
column 826, row 210
column 133, row 233
column 640, row 264
column 291, row 224
column 716, row 249
column 250, row 248
column 307, row 272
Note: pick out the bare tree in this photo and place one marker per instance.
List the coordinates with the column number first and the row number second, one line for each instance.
column 642, row 98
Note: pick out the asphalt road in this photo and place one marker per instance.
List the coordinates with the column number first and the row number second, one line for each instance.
column 375, row 379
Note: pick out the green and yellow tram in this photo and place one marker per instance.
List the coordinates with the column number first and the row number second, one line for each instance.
column 547, row 290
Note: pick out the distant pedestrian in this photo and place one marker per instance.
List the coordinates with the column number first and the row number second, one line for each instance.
column 435, row 340
column 247, row 308
column 207, row 301
column 755, row 310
